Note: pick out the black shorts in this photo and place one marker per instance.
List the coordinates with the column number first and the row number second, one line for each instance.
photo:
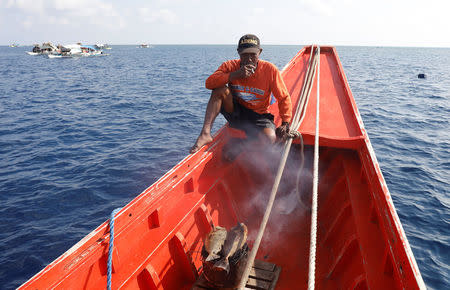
column 248, row 120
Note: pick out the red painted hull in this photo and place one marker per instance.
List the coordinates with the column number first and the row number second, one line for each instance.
column 159, row 235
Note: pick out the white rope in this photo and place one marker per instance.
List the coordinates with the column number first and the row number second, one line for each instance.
column 313, row 241
column 298, row 118
column 302, row 107
column 300, row 110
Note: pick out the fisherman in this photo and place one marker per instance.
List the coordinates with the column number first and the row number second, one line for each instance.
column 242, row 91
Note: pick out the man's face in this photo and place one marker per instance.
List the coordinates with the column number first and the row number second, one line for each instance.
column 249, row 58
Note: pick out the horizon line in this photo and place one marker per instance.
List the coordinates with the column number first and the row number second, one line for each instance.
column 262, row 45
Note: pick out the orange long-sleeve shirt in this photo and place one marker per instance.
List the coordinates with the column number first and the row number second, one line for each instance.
column 255, row 91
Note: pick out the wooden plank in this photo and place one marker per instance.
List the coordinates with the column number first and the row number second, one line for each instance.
column 264, row 265
column 263, row 276
column 253, row 283
column 266, row 274
column 275, row 280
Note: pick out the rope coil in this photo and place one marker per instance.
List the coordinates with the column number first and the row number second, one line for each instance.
column 294, row 134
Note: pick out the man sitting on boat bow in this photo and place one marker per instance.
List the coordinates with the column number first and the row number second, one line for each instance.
column 242, row 92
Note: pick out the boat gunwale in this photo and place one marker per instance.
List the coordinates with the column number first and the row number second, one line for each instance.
column 382, row 182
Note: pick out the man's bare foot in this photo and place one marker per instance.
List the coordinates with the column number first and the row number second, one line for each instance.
column 201, row 140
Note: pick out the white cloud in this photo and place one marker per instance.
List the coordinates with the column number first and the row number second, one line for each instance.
column 144, row 11
column 68, row 12
column 320, row 7
column 58, row 20
column 164, row 16
column 29, row 6
column 364, row 22
column 84, row 8
column 27, row 23
column 258, row 11
column 70, row 5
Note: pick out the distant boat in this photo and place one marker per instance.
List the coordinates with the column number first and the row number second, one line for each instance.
column 144, row 46
column 14, row 45
column 89, row 50
column 45, row 48
column 68, row 50
column 102, row 46
column 59, row 56
column 35, row 51
column 48, row 48
column 76, row 50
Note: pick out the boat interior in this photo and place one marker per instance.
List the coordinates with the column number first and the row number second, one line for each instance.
column 351, row 250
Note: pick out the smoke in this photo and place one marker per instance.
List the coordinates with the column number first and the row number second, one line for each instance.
column 292, row 202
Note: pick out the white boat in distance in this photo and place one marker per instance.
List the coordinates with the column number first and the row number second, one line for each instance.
column 45, row 48
column 65, row 51
column 76, row 50
column 102, row 46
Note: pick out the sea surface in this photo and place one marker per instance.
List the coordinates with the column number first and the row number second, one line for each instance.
column 80, row 137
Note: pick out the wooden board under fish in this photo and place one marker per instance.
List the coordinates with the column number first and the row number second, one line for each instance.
column 263, row 276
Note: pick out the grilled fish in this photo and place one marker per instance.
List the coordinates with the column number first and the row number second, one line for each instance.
column 214, row 242
column 236, row 238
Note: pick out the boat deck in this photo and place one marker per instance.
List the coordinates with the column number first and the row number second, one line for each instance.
column 339, row 125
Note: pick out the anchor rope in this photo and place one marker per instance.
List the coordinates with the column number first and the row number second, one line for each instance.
column 111, row 247
column 296, row 122
column 313, row 240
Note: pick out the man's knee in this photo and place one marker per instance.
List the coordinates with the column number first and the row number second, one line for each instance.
column 222, row 92
column 269, row 135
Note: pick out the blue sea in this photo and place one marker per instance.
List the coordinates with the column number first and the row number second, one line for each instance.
column 80, row 137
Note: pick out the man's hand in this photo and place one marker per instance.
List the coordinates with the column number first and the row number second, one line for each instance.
column 283, row 131
column 243, row 72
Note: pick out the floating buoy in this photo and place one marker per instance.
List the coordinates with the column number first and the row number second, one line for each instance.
column 421, row 76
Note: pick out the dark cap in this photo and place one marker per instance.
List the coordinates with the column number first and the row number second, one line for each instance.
column 248, row 43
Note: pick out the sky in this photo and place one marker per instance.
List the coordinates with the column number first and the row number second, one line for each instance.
column 422, row 23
